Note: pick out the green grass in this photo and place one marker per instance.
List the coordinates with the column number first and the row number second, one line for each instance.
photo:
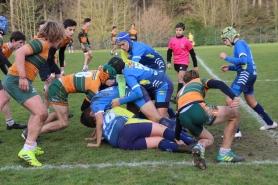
column 67, row 160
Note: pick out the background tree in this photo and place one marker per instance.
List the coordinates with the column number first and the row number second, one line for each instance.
column 156, row 27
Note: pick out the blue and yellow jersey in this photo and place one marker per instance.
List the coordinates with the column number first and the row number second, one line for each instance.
column 145, row 55
column 195, row 90
column 137, row 74
column 39, row 49
column 6, row 50
column 241, row 48
column 102, row 100
column 82, row 82
column 84, row 34
column 114, row 121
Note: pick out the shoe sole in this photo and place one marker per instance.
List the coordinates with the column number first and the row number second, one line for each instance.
column 198, row 162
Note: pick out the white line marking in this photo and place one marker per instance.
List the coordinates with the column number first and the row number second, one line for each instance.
column 146, row 163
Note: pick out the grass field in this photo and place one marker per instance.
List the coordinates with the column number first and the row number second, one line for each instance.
column 67, row 160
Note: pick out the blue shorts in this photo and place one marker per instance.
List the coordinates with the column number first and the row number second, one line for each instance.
column 45, row 71
column 163, row 94
column 244, row 83
column 133, row 136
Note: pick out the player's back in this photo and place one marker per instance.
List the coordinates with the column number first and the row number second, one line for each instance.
column 242, row 48
column 146, row 55
column 102, row 100
column 143, row 75
column 113, row 124
column 82, row 82
column 195, row 90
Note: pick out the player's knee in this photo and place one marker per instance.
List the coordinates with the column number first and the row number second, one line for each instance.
column 44, row 115
column 63, row 124
column 233, row 113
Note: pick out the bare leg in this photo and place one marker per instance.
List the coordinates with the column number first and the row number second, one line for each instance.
column 4, row 98
column 163, row 112
column 7, row 110
column 62, row 122
column 38, row 116
column 150, row 112
column 45, row 94
column 232, row 116
column 156, row 135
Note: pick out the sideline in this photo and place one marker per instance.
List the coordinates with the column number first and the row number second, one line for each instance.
column 154, row 163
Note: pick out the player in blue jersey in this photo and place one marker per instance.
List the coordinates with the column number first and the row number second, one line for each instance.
column 102, row 102
column 142, row 53
column 244, row 65
column 119, row 127
column 157, row 84
column 139, row 52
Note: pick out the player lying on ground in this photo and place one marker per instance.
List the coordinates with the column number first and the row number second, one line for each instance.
column 123, row 131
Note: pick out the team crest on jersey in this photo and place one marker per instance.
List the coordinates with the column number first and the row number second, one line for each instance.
column 161, row 92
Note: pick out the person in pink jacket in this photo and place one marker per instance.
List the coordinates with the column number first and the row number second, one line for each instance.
column 181, row 47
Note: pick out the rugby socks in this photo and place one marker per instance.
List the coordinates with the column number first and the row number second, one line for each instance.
column 180, row 85
column 260, row 110
column 201, row 147
column 224, row 151
column 29, row 145
column 10, row 122
column 170, row 135
column 168, row 123
column 171, row 112
column 167, row 145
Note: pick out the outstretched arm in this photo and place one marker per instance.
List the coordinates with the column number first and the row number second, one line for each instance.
column 242, row 60
column 99, row 121
column 217, row 84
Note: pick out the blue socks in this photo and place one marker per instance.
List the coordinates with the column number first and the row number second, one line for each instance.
column 171, row 112
column 170, row 135
column 168, row 123
column 167, row 145
column 260, row 110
